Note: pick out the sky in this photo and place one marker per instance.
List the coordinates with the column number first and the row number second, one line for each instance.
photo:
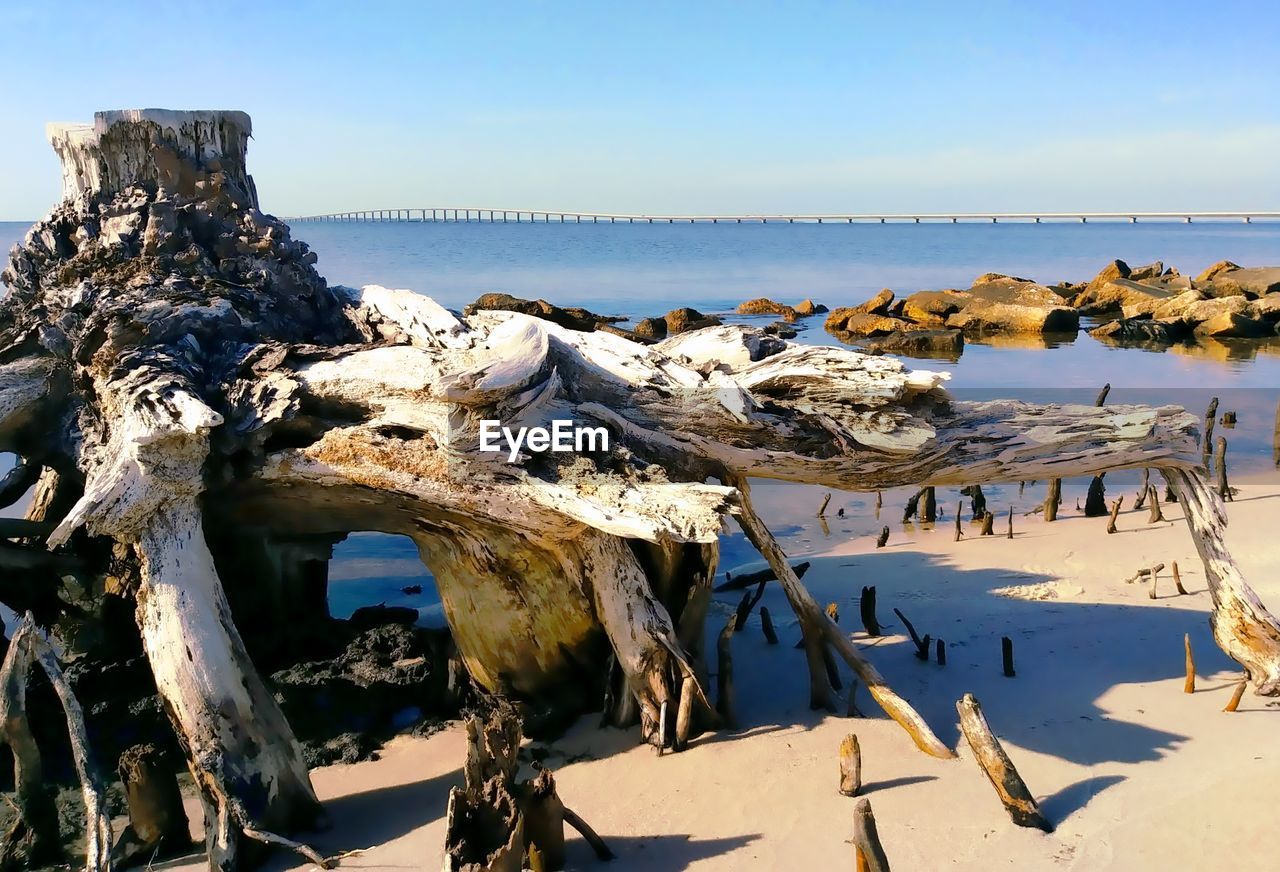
column 682, row 107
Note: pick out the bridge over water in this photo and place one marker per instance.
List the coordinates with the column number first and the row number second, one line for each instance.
column 538, row 216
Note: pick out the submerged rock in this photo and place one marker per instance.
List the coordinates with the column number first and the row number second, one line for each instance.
column 651, row 328
column 572, row 317
column 932, row 308
column 1121, row 295
column 854, row 323
column 809, row 307
column 1147, row 330
column 946, row 344
column 684, row 318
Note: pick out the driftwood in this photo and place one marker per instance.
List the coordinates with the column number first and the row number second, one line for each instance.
column 941, row 652
column 748, row 603
column 1144, row 487
column 869, row 854
column 34, row 839
column 1009, row 534
column 991, row 756
column 1206, row 441
column 988, row 524
column 929, row 505
column 1102, row 395
column 959, row 529
column 724, row 676
column 922, row 645
column 1006, row 657
column 1155, row 578
column 883, row 538
column 1220, row 467
column 1144, row 572
column 1095, row 504
column 174, row 364
column 822, row 509
column 760, row 576
column 850, row 766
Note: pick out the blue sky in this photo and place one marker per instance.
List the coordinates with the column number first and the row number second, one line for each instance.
column 680, row 107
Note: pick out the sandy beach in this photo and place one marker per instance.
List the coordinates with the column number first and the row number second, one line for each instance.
column 1133, row 772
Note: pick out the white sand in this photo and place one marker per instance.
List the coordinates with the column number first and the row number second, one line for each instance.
column 1134, row 773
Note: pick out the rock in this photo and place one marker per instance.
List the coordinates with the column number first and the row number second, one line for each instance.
column 1152, row 270
column 1231, row 325
column 877, row 305
column 782, row 329
column 685, row 318
column 1267, row 308
column 931, row 308
column 1117, row 269
column 651, row 328
column 1206, row 310
column 1212, row 272
column 946, row 344
column 809, row 307
column 851, row 322
column 1251, row 282
column 1174, row 307
column 573, row 317
column 1142, row 330
column 1121, row 295
column 765, row 306
column 1010, row 305
column 988, row 278
column 367, row 617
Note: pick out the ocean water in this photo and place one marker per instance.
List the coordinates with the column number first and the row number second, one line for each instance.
column 636, row 270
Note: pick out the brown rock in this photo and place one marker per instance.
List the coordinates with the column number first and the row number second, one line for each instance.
column 1122, row 294
column 1008, row 305
column 1266, row 308
column 574, row 318
column 1251, row 282
column 1142, row 330
column 684, row 319
column 765, row 306
column 850, row 322
column 1231, row 325
column 1207, row 310
column 931, row 308
column 987, row 278
column 946, row 344
column 1212, row 272
column 877, row 305
column 651, row 328
column 809, row 307
column 1152, row 270
column 1117, row 269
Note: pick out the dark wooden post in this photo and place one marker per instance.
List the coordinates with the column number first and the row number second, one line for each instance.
column 1220, row 463
column 1006, row 656
column 1053, row 499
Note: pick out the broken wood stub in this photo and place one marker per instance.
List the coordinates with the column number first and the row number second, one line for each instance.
column 157, row 826
column 1220, row 467
column 1115, row 513
column 1189, row 683
column 869, row 854
column 867, row 610
column 988, row 524
column 850, row 766
column 883, row 538
column 1053, row 499
column 766, row 626
column 724, row 676
column 484, row 830
column 544, row 821
column 1177, row 580
column 999, row 769
column 1236, row 695
column 1156, row 515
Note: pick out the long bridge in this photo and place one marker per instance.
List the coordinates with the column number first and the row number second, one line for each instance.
column 541, row 216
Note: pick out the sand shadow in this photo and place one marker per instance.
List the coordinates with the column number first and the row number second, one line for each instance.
column 670, row 852
column 1059, row 806
column 900, row 781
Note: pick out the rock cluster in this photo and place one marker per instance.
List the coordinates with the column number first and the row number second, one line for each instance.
column 1149, row 303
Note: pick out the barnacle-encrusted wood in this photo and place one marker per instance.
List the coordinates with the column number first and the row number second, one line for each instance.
column 171, row 360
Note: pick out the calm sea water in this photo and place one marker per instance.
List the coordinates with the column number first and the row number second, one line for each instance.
column 641, row 269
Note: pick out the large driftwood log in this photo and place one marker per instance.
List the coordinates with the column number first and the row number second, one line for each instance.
column 172, row 360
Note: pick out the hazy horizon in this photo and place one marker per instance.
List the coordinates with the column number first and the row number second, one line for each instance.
column 668, row 109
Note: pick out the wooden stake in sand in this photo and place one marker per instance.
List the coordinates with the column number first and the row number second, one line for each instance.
column 1115, row 513
column 748, row 603
column 867, row 610
column 1189, row 684
column 1006, row 656
column 1220, row 465
column 1102, row 395
column 1053, row 499
column 157, row 826
column 922, row 645
column 1177, row 580
column 942, row 652
column 1143, row 489
column 868, row 852
column 959, row 531
column 1009, row 535
column 991, row 756
column 929, row 511
column 883, row 538
column 822, row 509
column 1236, row 695
column 1156, row 515
column 850, row 766
column 1155, row 575
column 766, row 625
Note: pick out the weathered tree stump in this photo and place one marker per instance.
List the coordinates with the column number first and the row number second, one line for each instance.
column 724, row 676
column 484, row 830
column 1177, row 580
column 929, row 507
column 1009, row 534
column 1156, row 515
column 1102, row 395
column 959, row 529
column 1206, row 440
column 748, row 603
column 850, row 766
column 999, row 769
column 1053, row 499
column 158, row 826
column 1155, row 577
column 1006, row 657
column 1220, row 466
column 822, row 509
column 751, row 579
column 1140, row 499
column 544, row 821
column 883, row 538
column 869, row 854
column 988, row 524
column 1236, row 695
column 941, row 653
